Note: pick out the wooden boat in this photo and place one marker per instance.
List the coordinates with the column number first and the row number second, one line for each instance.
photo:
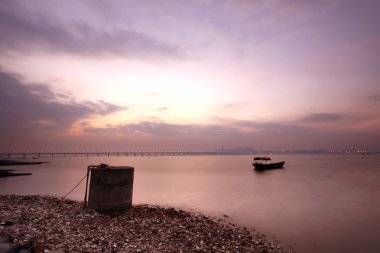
column 262, row 158
column 268, row 166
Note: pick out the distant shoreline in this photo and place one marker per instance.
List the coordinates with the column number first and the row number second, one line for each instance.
column 17, row 162
column 37, row 155
column 55, row 224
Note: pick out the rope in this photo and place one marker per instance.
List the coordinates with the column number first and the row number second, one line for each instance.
column 75, row 186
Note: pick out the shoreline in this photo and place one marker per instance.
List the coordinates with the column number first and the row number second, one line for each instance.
column 58, row 225
column 6, row 162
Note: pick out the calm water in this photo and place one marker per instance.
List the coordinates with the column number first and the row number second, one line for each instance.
column 319, row 203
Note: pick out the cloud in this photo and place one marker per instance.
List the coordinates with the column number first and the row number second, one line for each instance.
column 268, row 135
column 31, row 108
column 265, row 20
column 23, row 32
column 288, row 134
column 31, row 114
column 162, row 109
column 161, row 135
column 161, row 129
column 272, row 127
column 322, row 117
column 374, row 98
column 103, row 108
column 108, row 31
column 241, row 133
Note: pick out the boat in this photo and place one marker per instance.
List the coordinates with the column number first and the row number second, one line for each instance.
column 268, row 166
column 262, row 158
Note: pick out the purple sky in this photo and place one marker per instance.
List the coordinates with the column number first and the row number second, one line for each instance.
column 189, row 75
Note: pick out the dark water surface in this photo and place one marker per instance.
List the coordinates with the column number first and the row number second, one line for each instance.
column 318, row 203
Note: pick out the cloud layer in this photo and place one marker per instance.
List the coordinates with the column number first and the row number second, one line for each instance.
column 25, row 32
column 36, row 114
column 266, row 74
column 35, row 110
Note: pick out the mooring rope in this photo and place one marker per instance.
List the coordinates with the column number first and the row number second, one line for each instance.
column 75, row 186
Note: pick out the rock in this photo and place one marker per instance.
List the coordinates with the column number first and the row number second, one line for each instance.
column 64, row 226
column 6, row 223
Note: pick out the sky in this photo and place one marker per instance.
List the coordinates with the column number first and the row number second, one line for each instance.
column 117, row 75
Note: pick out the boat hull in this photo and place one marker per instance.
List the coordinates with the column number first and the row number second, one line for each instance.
column 268, row 166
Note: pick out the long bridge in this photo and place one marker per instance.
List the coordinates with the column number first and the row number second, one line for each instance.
column 113, row 153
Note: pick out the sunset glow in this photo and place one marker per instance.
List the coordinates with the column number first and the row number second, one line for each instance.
column 189, row 74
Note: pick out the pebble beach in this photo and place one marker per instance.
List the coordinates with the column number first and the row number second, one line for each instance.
column 50, row 224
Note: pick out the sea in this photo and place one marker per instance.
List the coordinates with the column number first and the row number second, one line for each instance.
column 317, row 203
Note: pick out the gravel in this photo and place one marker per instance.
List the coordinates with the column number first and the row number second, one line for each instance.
column 51, row 224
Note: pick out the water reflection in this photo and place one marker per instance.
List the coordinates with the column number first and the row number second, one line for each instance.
column 318, row 203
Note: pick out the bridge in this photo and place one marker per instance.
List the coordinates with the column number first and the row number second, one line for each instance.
column 113, row 153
